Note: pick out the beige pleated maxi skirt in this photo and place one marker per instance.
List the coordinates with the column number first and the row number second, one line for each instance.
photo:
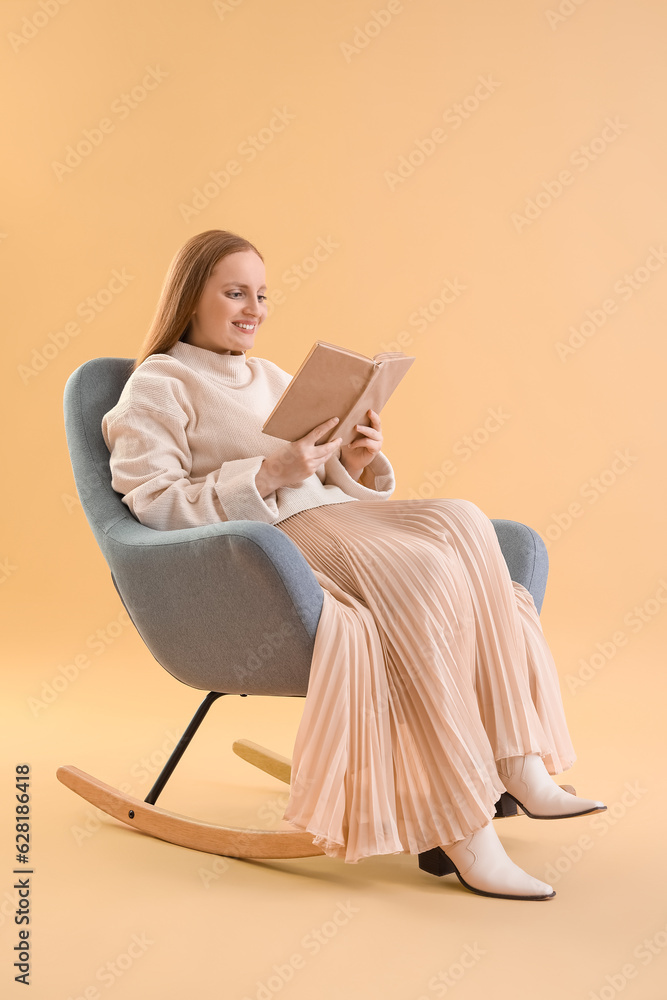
column 429, row 665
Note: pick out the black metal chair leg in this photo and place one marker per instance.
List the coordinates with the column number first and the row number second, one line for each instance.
column 182, row 745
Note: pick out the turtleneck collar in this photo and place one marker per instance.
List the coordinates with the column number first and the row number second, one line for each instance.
column 232, row 369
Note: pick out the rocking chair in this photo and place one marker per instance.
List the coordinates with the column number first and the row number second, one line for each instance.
column 201, row 599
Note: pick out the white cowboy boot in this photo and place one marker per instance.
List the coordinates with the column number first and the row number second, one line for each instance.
column 531, row 786
column 481, row 864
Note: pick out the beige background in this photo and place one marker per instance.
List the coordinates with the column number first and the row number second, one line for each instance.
column 531, row 139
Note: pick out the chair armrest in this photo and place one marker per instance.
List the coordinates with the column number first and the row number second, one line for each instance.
column 231, row 606
column 526, row 556
column 234, row 606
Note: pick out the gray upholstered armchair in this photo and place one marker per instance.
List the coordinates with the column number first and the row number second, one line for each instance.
column 228, row 608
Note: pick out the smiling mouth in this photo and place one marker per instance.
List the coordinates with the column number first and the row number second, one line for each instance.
column 246, row 327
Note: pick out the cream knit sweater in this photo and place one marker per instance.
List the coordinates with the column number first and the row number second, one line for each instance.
column 186, row 443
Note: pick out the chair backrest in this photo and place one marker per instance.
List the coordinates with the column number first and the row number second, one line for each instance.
column 208, row 601
column 90, row 391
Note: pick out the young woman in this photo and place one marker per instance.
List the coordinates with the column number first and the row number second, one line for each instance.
column 432, row 689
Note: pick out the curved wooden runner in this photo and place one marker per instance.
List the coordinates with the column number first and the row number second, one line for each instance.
column 267, row 760
column 234, row 842
column 231, row 841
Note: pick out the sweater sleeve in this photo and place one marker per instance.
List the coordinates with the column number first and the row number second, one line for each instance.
column 376, row 482
column 151, row 467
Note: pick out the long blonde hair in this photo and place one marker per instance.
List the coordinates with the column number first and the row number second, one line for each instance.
column 183, row 285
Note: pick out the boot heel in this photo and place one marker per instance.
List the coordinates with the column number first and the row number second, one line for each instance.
column 436, row 862
column 505, row 806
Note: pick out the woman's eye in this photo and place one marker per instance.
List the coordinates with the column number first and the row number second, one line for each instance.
column 241, row 293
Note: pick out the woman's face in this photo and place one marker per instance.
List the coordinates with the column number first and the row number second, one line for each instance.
column 232, row 305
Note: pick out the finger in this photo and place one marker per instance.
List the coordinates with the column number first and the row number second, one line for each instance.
column 325, row 425
column 312, row 436
column 374, row 418
column 364, row 444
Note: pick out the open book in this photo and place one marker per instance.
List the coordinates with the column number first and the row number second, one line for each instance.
column 334, row 382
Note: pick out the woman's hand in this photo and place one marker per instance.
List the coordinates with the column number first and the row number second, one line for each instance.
column 295, row 461
column 360, row 452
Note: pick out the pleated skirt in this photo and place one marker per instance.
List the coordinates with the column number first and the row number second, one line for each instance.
column 429, row 665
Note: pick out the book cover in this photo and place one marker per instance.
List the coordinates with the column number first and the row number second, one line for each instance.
column 333, row 381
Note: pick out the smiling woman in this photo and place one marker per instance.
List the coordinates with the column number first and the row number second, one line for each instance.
column 215, row 282
column 232, row 305
column 432, row 692
column 185, row 436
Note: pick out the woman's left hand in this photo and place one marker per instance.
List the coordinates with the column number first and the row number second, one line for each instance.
column 356, row 455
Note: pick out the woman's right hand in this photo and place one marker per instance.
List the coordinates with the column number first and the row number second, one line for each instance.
column 297, row 460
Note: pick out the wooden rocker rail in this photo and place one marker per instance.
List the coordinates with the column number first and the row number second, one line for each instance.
column 266, row 760
column 281, row 767
column 230, row 841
